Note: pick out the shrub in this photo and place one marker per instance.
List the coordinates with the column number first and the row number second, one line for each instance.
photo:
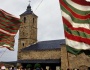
column 28, row 66
column 37, row 65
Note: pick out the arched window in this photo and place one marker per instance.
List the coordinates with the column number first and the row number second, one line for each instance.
column 33, row 20
column 24, row 19
column 23, row 44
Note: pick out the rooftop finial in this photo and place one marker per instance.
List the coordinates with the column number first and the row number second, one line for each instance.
column 29, row 2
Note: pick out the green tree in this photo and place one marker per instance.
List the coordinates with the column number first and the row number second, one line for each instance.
column 37, row 65
column 29, row 66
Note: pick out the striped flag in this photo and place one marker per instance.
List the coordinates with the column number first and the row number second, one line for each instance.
column 9, row 26
column 76, row 21
column 88, row 0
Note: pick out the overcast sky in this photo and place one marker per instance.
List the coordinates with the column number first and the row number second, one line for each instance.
column 50, row 25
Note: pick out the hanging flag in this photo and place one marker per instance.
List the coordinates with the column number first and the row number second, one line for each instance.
column 88, row 0
column 76, row 21
column 9, row 26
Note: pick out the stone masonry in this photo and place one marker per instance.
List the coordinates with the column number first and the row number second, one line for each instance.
column 71, row 61
column 47, row 54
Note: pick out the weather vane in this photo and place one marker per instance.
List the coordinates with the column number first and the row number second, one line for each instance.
column 29, row 1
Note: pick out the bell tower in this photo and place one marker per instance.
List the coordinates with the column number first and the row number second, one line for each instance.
column 28, row 29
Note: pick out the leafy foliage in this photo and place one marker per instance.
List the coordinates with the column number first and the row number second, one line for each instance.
column 37, row 65
column 28, row 66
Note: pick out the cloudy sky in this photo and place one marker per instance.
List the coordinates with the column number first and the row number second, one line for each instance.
column 50, row 25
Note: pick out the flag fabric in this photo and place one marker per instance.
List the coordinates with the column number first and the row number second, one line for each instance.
column 9, row 26
column 88, row 0
column 76, row 22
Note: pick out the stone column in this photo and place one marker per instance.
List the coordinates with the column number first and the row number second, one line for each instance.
column 64, row 58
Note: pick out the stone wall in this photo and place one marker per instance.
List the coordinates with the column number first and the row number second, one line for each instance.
column 44, row 54
column 64, row 61
column 71, row 61
column 79, row 60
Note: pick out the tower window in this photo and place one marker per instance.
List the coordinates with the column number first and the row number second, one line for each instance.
column 24, row 19
column 23, row 44
column 33, row 20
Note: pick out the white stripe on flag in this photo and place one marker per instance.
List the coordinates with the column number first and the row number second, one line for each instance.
column 78, row 6
column 75, row 25
column 77, row 45
column 88, row 0
column 12, row 34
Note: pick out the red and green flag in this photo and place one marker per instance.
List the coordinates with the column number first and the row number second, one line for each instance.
column 9, row 26
column 76, row 21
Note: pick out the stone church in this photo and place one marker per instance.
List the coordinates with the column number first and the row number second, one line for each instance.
column 50, row 53
column 47, row 53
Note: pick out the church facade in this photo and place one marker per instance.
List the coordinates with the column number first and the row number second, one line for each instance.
column 48, row 53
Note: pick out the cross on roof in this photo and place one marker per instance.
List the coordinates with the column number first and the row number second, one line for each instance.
column 29, row 1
